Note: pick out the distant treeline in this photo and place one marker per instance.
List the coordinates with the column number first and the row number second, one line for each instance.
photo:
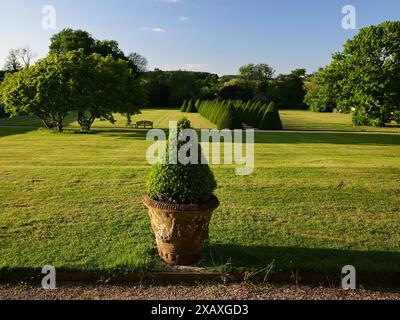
column 172, row 88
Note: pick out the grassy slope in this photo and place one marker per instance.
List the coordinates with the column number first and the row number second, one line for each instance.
column 315, row 202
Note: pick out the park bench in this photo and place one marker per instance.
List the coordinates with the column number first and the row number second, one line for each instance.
column 144, row 124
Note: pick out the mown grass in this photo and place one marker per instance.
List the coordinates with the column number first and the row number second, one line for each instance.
column 315, row 203
column 293, row 120
column 160, row 117
column 305, row 120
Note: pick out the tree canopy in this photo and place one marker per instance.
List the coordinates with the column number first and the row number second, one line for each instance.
column 364, row 76
column 91, row 85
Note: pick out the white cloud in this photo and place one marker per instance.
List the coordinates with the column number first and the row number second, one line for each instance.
column 195, row 66
column 184, row 19
column 171, row 1
column 154, row 29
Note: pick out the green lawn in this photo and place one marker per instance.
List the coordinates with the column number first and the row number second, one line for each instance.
column 293, row 120
column 160, row 117
column 316, row 201
column 305, row 120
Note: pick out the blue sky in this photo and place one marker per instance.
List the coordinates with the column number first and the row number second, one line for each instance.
column 203, row 35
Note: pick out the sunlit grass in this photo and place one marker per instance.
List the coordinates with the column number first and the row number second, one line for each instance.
column 314, row 203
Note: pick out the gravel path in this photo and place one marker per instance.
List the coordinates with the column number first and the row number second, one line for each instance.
column 74, row 291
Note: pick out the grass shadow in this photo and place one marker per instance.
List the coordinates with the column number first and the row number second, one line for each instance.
column 4, row 132
column 304, row 260
column 328, row 138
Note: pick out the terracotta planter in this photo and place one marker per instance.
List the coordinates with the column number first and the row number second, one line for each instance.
column 180, row 230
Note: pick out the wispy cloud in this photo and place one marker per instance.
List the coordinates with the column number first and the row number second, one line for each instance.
column 154, row 29
column 184, row 18
column 171, row 1
column 195, row 66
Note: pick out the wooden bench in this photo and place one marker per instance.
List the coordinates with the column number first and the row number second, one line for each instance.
column 144, row 124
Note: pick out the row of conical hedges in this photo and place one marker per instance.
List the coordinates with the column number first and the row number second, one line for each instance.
column 190, row 106
column 221, row 113
column 232, row 114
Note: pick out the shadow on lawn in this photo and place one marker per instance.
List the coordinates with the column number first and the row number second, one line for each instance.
column 328, row 138
column 4, row 132
column 286, row 137
column 304, row 260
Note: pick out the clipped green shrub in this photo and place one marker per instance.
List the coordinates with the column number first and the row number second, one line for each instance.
column 260, row 115
column 271, row 119
column 178, row 183
column 184, row 106
column 252, row 117
column 191, row 108
column 229, row 119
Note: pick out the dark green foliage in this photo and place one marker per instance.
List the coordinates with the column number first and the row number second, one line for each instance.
column 260, row 115
column 229, row 119
column 191, row 108
column 3, row 113
column 271, row 119
column 178, row 183
column 253, row 120
column 365, row 76
column 171, row 88
column 92, row 86
column 184, row 106
column 360, row 117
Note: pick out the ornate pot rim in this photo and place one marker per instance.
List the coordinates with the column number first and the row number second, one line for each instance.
column 212, row 204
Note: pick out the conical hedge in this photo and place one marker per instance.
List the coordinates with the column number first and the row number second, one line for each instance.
column 184, row 106
column 229, row 119
column 191, row 108
column 271, row 119
column 179, row 183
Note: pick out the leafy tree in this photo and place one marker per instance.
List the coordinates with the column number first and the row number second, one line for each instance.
column 288, row 90
column 138, row 62
column 256, row 72
column 12, row 63
column 70, row 40
column 92, row 85
column 42, row 90
column 172, row 88
column 108, row 47
column 112, row 90
column 365, row 75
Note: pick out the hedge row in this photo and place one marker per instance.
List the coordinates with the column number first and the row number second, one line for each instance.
column 232, row 114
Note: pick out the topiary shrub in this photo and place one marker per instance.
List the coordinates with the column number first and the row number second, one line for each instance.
column 271, row 119
column 178, row 183
column 184, row 106
column 191, row 108
column 229, row 119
